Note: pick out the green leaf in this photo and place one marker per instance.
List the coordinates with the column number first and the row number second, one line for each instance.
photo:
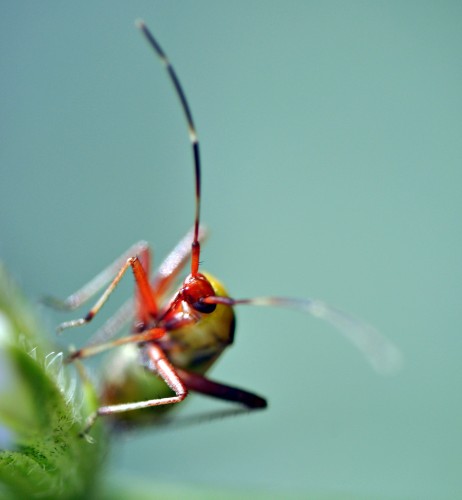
column 41, row 415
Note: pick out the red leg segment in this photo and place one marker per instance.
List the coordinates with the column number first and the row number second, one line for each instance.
column 143, row 288
column 164, row 369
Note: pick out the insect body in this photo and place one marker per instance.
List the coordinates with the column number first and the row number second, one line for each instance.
column 178, row 335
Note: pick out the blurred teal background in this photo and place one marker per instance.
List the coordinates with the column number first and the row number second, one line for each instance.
column 331, row 144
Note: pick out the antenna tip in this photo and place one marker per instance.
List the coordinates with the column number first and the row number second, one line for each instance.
column 139, row 23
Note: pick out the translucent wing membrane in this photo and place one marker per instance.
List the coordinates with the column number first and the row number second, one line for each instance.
column 382, row 354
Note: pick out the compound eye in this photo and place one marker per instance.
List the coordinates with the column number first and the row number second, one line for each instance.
column 203, row 307
column 195, row 289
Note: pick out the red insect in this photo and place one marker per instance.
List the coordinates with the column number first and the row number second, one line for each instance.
column 178, row 337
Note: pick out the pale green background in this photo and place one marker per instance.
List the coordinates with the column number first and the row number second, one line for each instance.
column 331, row 139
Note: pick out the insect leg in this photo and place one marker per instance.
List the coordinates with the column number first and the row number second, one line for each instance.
column 91, row 350
column 78, row 298
column 203, row 385
column 115, row 323
column 143, row 289
column 162, row 367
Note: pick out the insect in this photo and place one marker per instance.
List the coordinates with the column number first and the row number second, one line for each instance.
column 179, row 333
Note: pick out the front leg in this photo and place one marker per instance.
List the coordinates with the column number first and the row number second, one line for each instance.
column 143, row 289
column 78, row 298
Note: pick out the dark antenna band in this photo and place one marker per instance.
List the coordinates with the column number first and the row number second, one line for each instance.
column 195, row 254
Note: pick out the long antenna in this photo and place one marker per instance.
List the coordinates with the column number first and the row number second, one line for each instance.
column 380, row 352
column 195, row 252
